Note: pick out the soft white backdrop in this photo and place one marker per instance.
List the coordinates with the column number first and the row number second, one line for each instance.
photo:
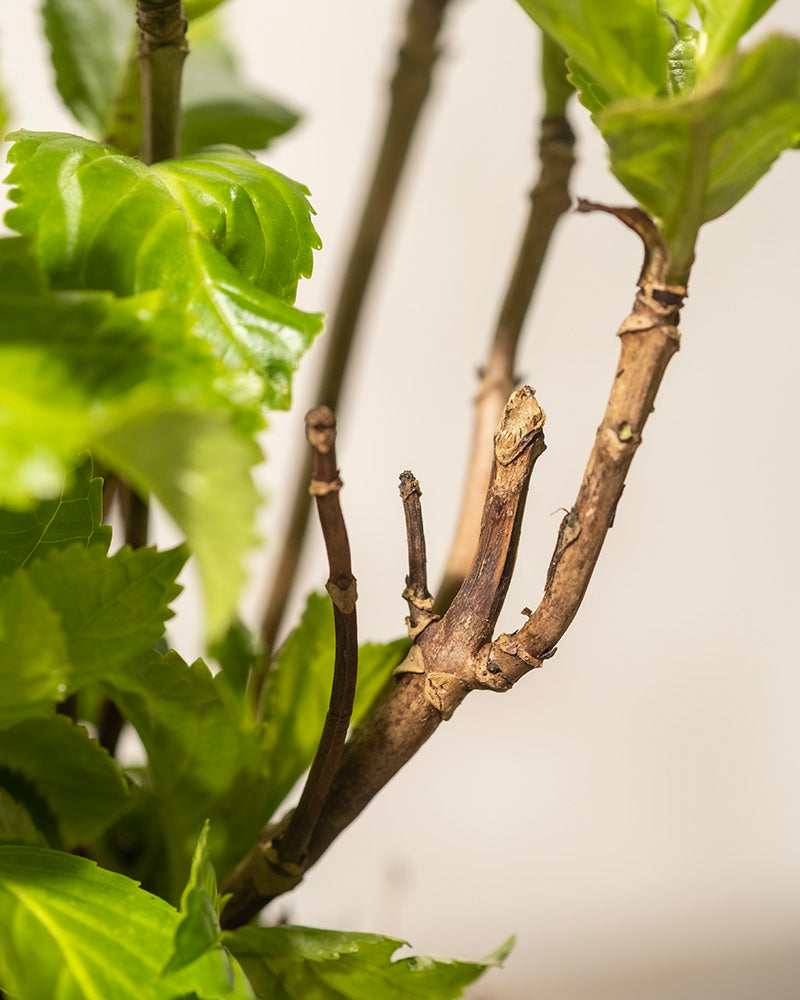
column 630, row 811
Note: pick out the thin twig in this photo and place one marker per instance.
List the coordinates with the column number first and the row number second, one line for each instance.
column 416, row 594
column 549, row 200
column 162, row 50
column 409, row 89
column 440, row 669
column 292, row 845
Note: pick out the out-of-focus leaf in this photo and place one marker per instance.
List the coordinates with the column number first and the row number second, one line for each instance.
column 724, row 23
column 225, row 238
column 301, row 963
column 198, row 931
column 71, row 930
column 679, row 9
column 206, row 760
column 622, row 44
column 33, row 652
column 237, row 653
column 219, row 107
column 110, row 609
column 88, row 42
column 16, row 823
column 688, row 160
column 298, row 692
column 83, row 787
column 74, row 516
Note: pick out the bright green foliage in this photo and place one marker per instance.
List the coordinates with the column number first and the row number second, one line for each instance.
column 690, row 159
column 72, row 931
column 111, row 609
column 724, row 23
column 73, row 516
column 198, row 931
column 299, row 963
column 33, row 655
column 82, row 786
column 298, row 693
column 623, row 44
column 225, row 238
column 206, row 760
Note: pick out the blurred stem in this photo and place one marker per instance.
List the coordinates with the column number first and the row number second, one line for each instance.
column 549, row 200
column 408, row 91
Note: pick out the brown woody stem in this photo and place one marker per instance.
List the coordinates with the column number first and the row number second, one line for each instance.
column 649, row 337
column 162, row 50
column 409, row 89
column 416, row 594
column 548, row 201
column 325, row 486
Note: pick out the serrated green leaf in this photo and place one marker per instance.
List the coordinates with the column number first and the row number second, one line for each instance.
column 198, row 931
column 198, row 467
column 206, row 760
column 82, row 786
column 88, row 42
column 690, row 159
column 218, row 107
column 724, row 23
column 301, row 963
column 110, row 609
column 224, row 237
column 622, row 44
column 298, row 690
column 16, row 823
column 33, row 652
column 60, row 923
column 72, row 517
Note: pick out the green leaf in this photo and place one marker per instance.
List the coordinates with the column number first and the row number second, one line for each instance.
column 724, row 23
column 301, row 963
column 73, row 516
column 225, row 238
column 198, row 467
column 237, row 653
column 62, row 920
column 679, row 9
column 16, row 823
column 88, row 42
column 688, row 160
column 206, row 759
column 82, row 786
column 110, row 609
column 198, row 931
column 218, row 107
column 622, row 44
column 33, row 654
column 298, row 690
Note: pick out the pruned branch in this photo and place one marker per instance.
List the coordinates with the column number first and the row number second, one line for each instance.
column 162, row 50
column 649, row 337
column 446, row 661
column 416, row 593
column 409, row 89
column 548, row 201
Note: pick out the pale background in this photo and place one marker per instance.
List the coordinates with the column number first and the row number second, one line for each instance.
column 630, row 811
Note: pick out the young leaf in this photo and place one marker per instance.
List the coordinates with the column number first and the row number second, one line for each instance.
column 218, row 107
column 206, row 760
column 110, row 609
column 724, row 23
column 298, row 693
column 72, row 930
column 82, row 786
column 225, row 238
column 198, row 931
column 298, row 963
column 690, row 159
column 88, row 41
column 622, row 44
column 33, row 652
column 74, row 516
